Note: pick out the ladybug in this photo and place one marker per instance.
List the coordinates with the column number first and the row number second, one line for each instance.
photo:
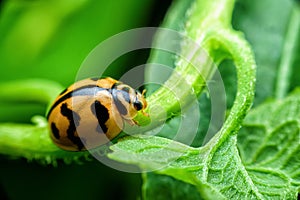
column 91, row 112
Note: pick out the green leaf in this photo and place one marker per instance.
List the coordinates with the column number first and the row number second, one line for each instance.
column 212, row 173
column 171, row 127
column 219, row 173
column 269, row 148
column 273, row 141
column 165, row 187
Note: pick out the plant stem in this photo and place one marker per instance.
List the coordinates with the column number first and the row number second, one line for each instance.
column 30, row 90
column 242, row 55
column 209, row 24
column 188, row 81
column 288, row 53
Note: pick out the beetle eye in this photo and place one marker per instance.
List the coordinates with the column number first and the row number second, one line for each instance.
column 138, row 105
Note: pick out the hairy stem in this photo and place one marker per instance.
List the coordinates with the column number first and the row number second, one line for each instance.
column 188, row 79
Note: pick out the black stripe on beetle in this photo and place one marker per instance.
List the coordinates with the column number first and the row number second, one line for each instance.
column 55, row 130
column 89, row 90
column 101, row 114
column 126, row 89
column 116, row 84
column 95, row 79
column 120, row 106
column 124, row 94
column 74, row 120
column 63, row 91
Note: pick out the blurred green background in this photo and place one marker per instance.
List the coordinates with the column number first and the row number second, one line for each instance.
column 50, row 39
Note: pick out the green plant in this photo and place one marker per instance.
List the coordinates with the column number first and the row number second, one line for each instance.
column 265, row 166
column 260, row 161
